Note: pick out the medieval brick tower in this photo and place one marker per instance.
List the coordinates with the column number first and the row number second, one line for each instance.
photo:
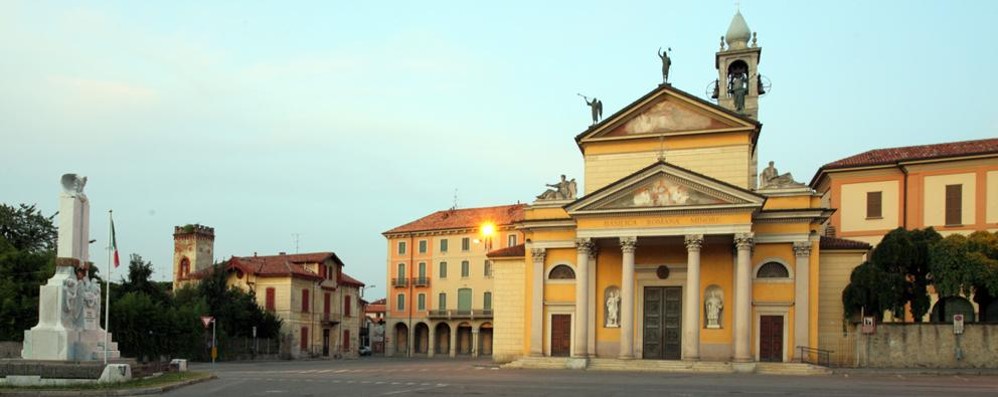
column 193, row 250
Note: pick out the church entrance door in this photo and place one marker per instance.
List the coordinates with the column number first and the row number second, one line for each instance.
column 561, row 335
column 771, row 338
column 663, row 311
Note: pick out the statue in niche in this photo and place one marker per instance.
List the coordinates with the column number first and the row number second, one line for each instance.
column 595, row 107
column 771, row 178
column 612, row 307
column 666, row 64
column 713, row 304
column 738, row 88
column 563, row 190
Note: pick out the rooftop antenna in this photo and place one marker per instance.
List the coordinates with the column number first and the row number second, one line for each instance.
column 296, row 236
column 454, row 207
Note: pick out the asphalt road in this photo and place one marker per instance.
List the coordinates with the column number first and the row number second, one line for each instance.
column 447, row 377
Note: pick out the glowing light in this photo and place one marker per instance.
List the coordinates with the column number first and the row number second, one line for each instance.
column 488, row 229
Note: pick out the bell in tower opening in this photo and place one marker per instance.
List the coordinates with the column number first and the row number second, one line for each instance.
column 739, row 84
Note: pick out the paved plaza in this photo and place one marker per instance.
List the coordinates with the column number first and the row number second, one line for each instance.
column 445, row 377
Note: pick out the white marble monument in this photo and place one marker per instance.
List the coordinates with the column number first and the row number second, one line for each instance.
column 69, row 305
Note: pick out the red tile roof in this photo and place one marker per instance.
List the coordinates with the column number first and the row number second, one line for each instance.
column 835, row 243
column 347, row 280
column 508, row 252
column 464, row 218
column 377, row 306
column 922, row 152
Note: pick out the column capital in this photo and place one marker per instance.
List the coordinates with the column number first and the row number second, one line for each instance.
column 745, row 240
column 693, row 242
column 584, row 245
column 628, row 244
column 802, row 248
column 538, row 254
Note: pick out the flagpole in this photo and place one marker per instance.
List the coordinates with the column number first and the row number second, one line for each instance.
column 107, row 283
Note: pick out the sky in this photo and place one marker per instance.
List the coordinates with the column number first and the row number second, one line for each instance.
column 316, row 126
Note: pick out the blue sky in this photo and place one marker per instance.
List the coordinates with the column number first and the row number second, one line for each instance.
column 337, row 121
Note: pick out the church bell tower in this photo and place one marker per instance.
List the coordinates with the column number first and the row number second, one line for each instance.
column 739, row 83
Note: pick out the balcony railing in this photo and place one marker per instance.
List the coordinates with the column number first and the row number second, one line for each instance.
column 330, row 319
column 421, row 281
column 459, row 314
column 400, row 282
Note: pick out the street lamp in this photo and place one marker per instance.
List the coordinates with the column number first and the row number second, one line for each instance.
column 364, row 288
column 488, row 229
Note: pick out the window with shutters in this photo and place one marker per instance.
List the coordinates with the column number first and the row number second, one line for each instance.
column 465, row 269
column 466, row 244
column 954, row 205
column 401, row 247
column 421, row 302
column 443, row 269
column 400, row 302
column 487, row 305
column 304, row 301
column 325, row 304
column 422, row 246
column 511, row 240
column 271, row 301
column 488, row 269
column 442, row 303
column 303, row 345
column 347, row 306
column 874, row 205
column 443, row 245
column 346, row 340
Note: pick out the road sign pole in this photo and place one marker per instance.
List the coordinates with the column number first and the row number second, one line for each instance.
column 214, row 343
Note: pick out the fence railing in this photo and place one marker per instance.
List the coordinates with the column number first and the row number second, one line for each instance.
column 421, row 281
column 400, row 282
column 811, row 355
column 459, row 314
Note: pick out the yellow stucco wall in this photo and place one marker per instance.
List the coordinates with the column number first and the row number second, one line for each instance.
column 834, row 332
column 935, row 198
column 727, row 163
column 634, row 221
column 509, row 340
column 716, row 269
column 853, row 206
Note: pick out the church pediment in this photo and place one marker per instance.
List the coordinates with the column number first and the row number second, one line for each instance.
column 665, row 187
column 666, row 111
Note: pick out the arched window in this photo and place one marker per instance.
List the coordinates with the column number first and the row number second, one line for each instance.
column 562, row 272
column 773, row 270
column 185, row 267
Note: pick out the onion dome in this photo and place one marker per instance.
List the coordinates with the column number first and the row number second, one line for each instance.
column 738, row 33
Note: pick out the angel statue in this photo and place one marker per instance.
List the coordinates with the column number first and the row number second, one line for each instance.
column 596, row 106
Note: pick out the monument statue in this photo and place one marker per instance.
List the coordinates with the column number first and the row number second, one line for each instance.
column 713, row 303
column 563, row 190
column 738, row 88
column 595, row 107
column 770, row 178
column 612, row 307
column 666, row 64
column 69, row 303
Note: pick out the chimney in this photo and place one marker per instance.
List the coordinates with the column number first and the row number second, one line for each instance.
column 281, row 253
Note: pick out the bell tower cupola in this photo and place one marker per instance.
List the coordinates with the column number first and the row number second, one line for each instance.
column 739, row 83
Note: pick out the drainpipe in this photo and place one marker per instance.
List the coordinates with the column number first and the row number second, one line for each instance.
column 410, row 331
column 904, row 200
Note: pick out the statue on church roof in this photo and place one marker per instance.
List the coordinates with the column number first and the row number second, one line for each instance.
column 770, row 178
column 563, row 190
column 595, row 106
column 666, row 63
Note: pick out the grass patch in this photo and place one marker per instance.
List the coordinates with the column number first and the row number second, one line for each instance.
column 162, row 380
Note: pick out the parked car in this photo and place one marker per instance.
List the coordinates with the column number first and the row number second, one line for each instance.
column 365, row 350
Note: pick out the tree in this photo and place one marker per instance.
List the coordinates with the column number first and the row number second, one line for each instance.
column 26, row 229
column 903, row 256
column 26, row 261
column 870, row 291
column 140, row 280
column 966, row 265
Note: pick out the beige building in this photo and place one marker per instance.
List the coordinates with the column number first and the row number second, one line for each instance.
column 952, row 187
column 440, row 286
column 319, row 304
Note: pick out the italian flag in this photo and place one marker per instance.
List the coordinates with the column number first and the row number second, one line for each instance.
column 114, row 245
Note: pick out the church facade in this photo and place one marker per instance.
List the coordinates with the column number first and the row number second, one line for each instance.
column 675, row 249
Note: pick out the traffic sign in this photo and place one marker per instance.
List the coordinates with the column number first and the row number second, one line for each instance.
column 206, row 320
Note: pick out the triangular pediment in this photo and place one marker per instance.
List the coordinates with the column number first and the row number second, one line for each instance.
column 665, row 187
column 667, row 111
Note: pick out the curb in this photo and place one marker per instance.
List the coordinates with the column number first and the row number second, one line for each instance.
column 119, row 392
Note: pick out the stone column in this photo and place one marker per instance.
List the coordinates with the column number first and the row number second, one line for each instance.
column 743, row 297
column 537, row 304
column 584, row 246
column 431, row 342
column 453, row 341
column 626, row 316
column 474, row 341
column 802, row 307
column 594, row 302
column 691, row 309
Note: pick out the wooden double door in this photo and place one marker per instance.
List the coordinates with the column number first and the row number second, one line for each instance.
column 663, row 313
column 771, row 338
column 561, row 335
